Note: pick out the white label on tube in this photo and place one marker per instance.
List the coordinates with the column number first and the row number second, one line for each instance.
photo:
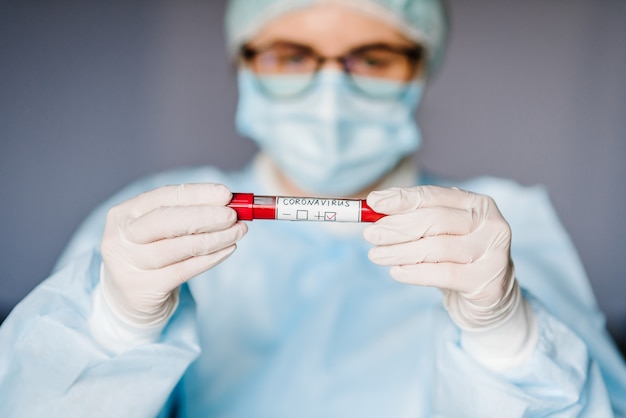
column 316, row 209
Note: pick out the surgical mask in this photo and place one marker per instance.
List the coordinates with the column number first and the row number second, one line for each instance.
column 330, row 140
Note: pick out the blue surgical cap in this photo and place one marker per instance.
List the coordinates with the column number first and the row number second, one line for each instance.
column 423, row 21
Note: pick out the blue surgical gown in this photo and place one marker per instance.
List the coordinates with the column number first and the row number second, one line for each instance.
column 299, row 323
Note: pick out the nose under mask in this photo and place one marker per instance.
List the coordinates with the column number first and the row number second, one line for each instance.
column 330, row 140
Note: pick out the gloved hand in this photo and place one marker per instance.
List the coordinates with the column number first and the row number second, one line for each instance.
column 459, row 242
column 157, row 241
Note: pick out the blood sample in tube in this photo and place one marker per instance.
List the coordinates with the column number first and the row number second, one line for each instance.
column 291, row 208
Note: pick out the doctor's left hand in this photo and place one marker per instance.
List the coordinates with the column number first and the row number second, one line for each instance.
column 451, row 239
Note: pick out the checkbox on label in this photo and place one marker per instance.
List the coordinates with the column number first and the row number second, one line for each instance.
column 330, row 216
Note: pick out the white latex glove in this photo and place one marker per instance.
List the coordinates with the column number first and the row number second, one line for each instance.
column 458, row 242
column 157, row 241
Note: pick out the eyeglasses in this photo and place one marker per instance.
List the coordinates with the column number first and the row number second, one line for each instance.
column 286, row 69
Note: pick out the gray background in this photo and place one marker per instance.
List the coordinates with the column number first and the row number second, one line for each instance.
column 94, row 94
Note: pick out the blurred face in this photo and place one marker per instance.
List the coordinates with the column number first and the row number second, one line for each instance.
column 295, row 42
column 326, row 133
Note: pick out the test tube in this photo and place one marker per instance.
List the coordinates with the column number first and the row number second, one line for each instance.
column 249, row 207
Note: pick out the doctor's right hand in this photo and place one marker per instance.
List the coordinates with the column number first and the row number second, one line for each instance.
column 159, row 240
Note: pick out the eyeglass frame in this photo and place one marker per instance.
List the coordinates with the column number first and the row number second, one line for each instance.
column 415, row 55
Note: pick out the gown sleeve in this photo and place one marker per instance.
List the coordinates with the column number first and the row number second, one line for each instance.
column 51, row 366
column 575, row 369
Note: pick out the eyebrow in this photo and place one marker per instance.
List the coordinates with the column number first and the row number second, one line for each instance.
column 394, row 47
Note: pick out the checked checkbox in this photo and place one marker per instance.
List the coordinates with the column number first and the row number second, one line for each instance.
column 330, row 216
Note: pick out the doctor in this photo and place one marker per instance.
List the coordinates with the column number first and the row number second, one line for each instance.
column 164, row 303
